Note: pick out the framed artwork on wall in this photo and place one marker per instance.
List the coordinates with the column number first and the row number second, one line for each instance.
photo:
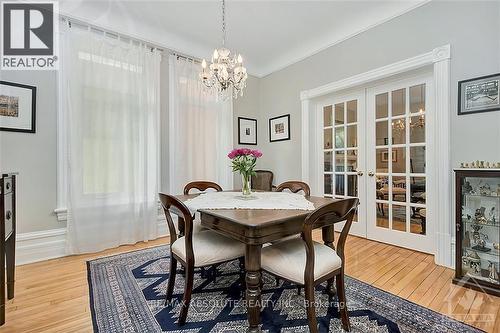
column 247, row 131
column 480, row 94
column 279, row 128
column 385, row 156
column 17, row 107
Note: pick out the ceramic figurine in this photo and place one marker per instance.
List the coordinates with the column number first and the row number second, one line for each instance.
column 485, row 189
column 488, row 165
column 492, row 272
column 491, row 215
column 467, row 188
column 474, row 263
column 496, row 246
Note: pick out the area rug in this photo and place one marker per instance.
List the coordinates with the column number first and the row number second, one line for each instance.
column 127, row 294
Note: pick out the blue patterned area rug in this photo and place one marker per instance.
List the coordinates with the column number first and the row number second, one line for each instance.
column 127, row 294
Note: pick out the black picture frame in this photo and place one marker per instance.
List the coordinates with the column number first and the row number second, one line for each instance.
column 287, row 121
column 461, row 97
column 242, row 141
column 33, row 108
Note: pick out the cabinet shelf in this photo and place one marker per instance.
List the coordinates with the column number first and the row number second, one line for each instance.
column 488, row 224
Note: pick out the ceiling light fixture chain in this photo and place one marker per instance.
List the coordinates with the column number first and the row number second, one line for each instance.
column 226, row 74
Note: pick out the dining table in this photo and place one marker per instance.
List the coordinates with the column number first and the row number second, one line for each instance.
column 254, row 228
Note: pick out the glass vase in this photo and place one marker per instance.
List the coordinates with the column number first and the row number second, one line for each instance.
column 246, row 189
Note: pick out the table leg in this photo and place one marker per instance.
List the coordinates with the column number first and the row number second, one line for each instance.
column 328, row 234
column 10, row 249
column 253, row 292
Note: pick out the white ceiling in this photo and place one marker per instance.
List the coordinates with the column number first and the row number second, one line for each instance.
column 269, row 34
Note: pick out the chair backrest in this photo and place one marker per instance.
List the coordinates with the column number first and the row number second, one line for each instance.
column 326, row 215
column 201, row 186
column 294, row 187
column 173, row 205
column 262, row 180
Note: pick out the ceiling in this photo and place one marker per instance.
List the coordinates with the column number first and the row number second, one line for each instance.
column 269, row 34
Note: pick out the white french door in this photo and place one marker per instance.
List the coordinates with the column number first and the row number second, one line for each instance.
column 344, row 152
column 398, row 180
column 375, row 147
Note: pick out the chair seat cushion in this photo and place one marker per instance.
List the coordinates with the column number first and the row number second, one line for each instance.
column 287, row 259
column 209, row 248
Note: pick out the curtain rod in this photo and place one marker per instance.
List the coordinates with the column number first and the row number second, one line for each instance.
column 69, row 19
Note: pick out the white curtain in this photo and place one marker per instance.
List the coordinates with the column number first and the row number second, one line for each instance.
column 111, row 107
column 200, row 130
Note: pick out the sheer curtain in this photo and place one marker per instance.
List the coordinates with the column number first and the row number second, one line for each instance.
column 200, row 130
column 111, row 107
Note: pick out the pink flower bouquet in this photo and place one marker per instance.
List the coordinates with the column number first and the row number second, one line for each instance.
column 244, row 161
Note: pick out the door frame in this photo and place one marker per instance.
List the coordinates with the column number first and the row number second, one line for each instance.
column 439, row 60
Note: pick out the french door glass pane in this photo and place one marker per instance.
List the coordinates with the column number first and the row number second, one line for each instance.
column 382, row 215
column 327, row 116
column 382, row 156
column 399, row 102
column 339, row 137
column 399, row 160
column 417, row 98
column 398, row 131
column 382, row 105
column 417, row 220
column 328, row 184
column 417, row 129
column 327, row 138
column 352, row 185
column 381, row 135
column 339, row 184
column 382, row 188
column 352, row 136
column 398, row 218
column 352, row 160
column 339, row 161
column 417, row 159
column 352, row 111
column 399, row 189
column 328, row 161
column 339, row 114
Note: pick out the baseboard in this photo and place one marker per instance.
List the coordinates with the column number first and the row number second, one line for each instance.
column 49, row 244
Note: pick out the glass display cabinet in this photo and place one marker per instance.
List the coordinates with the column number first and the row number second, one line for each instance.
column 478, row 229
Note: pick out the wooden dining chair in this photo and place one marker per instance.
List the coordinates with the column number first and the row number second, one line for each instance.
column 262, row 180
column 314, row 263
column 201, row 186
column 193, row 250
column 294, row 186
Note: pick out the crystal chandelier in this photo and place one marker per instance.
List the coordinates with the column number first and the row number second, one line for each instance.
column 226, row 74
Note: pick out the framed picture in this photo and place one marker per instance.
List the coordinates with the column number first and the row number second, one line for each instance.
column 247, row 131
column 480, row 94
column 385, row 156
column 279, row 128
column 17, row 107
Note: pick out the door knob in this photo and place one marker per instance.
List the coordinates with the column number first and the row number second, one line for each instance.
column 371, row 174
column 360, row 173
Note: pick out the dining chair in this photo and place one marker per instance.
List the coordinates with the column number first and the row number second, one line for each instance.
column 201, row 186
column 314, row 263
column 193, row 250
column 262, row 180
column 294, row 186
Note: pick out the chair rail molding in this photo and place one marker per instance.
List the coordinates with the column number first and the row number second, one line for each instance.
column 439, row 59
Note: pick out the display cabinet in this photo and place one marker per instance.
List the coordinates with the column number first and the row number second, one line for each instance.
column 478, row 229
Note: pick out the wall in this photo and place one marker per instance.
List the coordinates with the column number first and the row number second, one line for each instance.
column 475, row 51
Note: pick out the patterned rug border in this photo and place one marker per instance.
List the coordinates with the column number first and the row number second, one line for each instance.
column 94, row 317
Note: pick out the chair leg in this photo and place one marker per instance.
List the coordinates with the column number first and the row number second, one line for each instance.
column 171, row 279
column 344, row 316
column 188, row 290
column 311, row 310
column 330, row 289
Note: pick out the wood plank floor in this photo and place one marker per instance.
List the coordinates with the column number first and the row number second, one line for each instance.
column 52, row 296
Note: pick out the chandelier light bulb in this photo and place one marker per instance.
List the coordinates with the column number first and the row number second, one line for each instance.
column 240, row 59
column 204, row 64
column 216, row 55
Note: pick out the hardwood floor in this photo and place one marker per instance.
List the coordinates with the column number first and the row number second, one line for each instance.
column 52, row 296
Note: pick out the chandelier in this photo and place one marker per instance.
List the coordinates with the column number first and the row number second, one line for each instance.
column 226, row 74
column 399, row 125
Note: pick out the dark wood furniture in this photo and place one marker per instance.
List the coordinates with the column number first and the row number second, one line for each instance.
column 192, row 258
column 7, row 238
column 326, row 215
column 294, row 186
column 201, row 186
column 254, row 228
column 262, row 180
column 477, row 229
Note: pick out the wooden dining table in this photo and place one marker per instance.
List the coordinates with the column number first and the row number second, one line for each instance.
column 256, row 227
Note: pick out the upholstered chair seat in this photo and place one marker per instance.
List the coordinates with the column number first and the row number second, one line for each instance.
column 209, row 248
column 287, row 259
